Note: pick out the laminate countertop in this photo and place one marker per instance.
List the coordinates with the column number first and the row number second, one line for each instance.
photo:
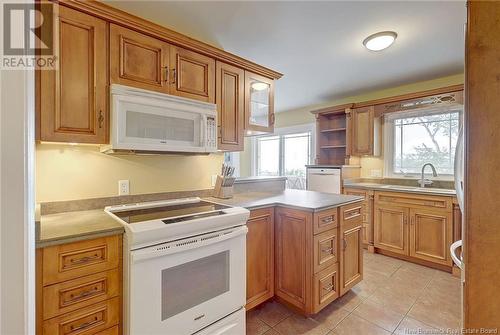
column 68, row 227
column 401, row 188
column 297, row 199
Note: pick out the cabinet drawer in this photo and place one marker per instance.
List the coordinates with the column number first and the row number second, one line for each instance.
column 414, row 200
column 110, row 331
column 325, row 249
column 74, row 260
column 77, row 293
column 86, row 321
column 326, row 287
column 325, row 220
column 352, row 214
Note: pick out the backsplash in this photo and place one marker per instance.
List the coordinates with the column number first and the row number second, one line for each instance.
column 65, row 172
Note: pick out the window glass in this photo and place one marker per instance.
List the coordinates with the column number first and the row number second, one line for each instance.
column 268, row 153
column 425, row 138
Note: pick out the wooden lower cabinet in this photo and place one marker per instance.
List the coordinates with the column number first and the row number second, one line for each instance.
column 313, row 269
column 260, row 257
column 294, row 243
column 418, row 227
column 78, row 287
column 367, row 228
column 351, row 254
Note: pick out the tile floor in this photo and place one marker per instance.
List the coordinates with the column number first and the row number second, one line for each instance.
column 395, row 297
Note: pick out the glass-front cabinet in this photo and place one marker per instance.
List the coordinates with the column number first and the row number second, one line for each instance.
column 259, row 106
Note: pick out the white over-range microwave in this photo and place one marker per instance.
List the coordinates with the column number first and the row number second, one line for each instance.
column 144, row 121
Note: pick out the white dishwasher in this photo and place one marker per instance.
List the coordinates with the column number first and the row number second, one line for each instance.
column 323, row 179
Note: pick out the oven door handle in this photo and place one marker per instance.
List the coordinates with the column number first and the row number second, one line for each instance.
column 186, row 244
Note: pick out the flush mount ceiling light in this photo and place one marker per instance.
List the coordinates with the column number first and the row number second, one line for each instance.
column 380, row 41
column 258, row 86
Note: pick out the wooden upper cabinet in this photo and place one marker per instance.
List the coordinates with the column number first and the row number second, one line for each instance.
column 230, row 98
column 193, row 75
column 364, row 132
column 73, row 98
column 138, row 60
column 259, row 103
column 430, row 235
column 260, row 257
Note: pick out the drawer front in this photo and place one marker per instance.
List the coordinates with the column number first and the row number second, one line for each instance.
column 85, row 321
column 325, row 249
column 414, row 200
column 110, row 331
column 326, row 287
column 74, row 260
column 77, row 293
column 351, row 215
column 325, row 220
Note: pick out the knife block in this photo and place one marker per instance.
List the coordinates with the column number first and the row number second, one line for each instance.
column 224, row 187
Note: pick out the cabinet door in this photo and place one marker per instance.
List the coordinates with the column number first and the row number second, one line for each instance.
column 293, row 257
column 367, row 229
column 390, row 228
column 430, row 235
column 362, row 131
column 260, row 257
column 193, row 75
column 230, row 98
column 73, row 98
column 138, row 60
column 351, row 254
column 259, row 103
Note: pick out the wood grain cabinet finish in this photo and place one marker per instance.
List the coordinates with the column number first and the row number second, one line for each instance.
column 259, row 103
column 193, row 75
column 430, row 235
column 73, row 98
column 260, row 257
column 367, row 211
column 326, row 287
column 294, row 242
column 325, row 220
column 325, row 249
column 138, row 60
column 351, row 255
column 413, row 225
column 86, row 321
column 391, row 231
column 365, row 132
column 230, row 98
column 78, row 287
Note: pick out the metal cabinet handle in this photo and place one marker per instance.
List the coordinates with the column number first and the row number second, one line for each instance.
column 272, row 119
column 174, row 76
column 85, row 294
column 84, row 259
column 85, row 325
column 328, row 288
column 327, row 250
column 345, row 243
column 100, row 119
column 327, row 219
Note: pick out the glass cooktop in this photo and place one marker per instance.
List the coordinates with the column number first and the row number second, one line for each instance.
column 172, row 214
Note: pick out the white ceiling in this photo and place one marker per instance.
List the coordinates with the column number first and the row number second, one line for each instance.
column 318, row 45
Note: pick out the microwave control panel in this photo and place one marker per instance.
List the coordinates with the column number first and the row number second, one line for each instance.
column 211, row 133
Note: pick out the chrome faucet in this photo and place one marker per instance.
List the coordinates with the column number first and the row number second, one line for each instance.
column 424, row 181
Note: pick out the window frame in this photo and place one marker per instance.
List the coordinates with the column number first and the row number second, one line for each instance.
column 388, row 129
column 281, row 132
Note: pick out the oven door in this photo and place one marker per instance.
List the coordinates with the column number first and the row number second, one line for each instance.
column 183, row 286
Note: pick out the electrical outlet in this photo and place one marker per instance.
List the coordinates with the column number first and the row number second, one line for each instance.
column 123, row 187
column 214, row 180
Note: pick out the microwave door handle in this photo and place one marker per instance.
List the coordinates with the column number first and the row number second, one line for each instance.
column 203, row 126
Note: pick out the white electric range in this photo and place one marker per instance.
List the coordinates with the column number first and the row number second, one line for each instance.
column 184, row 267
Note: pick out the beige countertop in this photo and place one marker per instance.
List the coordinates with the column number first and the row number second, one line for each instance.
column 298, row 199
column 401, row 188
column 75, row 226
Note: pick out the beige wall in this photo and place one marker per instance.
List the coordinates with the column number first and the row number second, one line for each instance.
column 65, row 172
column 303, row 115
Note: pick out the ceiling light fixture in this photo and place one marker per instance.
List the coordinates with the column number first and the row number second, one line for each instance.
column 380, row 41
column 258, row 86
